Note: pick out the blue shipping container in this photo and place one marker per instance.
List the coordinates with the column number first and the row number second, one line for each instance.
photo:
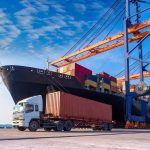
column 106, row 80
column 91, row 77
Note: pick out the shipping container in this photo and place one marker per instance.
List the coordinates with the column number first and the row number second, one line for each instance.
column 82, row 69
column 105, row 80
column 76, row 70
column 91, row 77
column 91, row 83
column 114, row 84
column 64, row 105
column 76, row 67
column 113, row 79
column 106, row 86
column 104, row 75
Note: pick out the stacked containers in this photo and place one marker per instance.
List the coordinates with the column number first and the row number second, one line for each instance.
column 132, row 87
column 76, row 70
column 106, row 80
column 91, row 81
column 119, row 87
column 113, row 84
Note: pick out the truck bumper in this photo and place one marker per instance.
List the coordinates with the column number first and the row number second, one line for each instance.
column 20, row 123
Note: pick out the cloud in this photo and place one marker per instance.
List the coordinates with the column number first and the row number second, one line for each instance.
column 80, row 7
column 25, row 18
column 8, row 31
column 58, row 7
column 97, row 5
column 40, row 5
column 28, row 18
column 68, row 32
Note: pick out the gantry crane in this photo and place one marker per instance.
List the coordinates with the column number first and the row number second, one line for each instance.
column 101, row 47
column 137, row 32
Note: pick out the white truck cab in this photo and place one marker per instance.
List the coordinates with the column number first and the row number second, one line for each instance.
column 26, row 111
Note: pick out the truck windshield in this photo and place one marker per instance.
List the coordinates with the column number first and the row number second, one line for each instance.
column 18, row 108
column 29, row 108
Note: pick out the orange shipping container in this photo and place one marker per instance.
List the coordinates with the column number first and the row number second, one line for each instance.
column 67, row 106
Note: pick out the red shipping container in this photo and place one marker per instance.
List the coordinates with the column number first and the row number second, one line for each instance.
column 80, row 76
column 113, row 79
column 77, row 70
column 80, row 68
column 104, row 75
column 68, row 106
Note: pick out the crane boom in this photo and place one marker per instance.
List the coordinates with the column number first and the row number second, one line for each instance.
column 133, row 77
column 95, row 49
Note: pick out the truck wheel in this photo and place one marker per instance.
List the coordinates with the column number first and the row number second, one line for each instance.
column 34, row 125
column 68, row 125
column 95, row 128
column 21, row 128
column 109, row 127
column 47, row 129
column 59, row 126
column 105, row 128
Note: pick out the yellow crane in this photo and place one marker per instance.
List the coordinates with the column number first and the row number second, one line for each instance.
column 134, row 76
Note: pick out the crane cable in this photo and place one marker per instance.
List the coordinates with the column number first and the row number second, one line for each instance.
column 101, row 30
column 91, row 29
column 115, row 21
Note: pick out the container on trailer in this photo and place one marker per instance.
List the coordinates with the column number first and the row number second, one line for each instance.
column 64, row 105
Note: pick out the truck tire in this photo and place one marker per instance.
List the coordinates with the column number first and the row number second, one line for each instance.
column 96, row 128
column 68, row 125
column 59, row 126
column 105, row 128
column 109, row 127
column 33, row 125
column 21, row 128
column 47, row 129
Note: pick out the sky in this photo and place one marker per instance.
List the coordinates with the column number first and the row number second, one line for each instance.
column 34, row 31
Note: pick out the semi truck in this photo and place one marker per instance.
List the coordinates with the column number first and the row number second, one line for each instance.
column 62, row 112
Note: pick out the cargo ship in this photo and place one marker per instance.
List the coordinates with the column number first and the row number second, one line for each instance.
column 23, row 82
